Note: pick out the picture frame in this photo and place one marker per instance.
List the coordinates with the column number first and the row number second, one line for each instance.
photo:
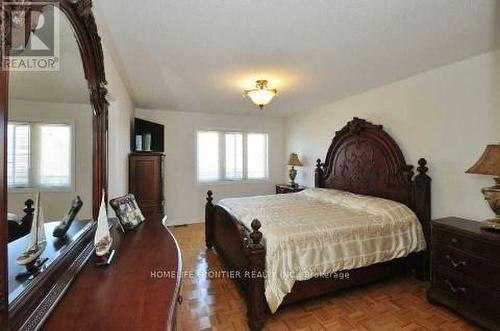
column 128, row 212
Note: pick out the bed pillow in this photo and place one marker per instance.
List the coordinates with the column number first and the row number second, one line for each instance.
column 366, row 203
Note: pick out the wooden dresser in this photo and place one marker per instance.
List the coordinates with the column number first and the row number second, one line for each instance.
column 465, row 270
column 138, row 291
column 146, row 172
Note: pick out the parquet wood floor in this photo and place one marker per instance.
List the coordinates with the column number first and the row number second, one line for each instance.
column 218, row 303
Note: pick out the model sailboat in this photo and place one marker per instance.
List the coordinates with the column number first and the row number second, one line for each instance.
column 36, row 241
column 102, row 240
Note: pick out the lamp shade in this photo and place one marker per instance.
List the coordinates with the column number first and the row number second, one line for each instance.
column 261, row 95
column 488, row 163
column 294, row 160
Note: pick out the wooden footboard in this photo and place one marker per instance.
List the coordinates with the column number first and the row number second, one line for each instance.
column 243, row 253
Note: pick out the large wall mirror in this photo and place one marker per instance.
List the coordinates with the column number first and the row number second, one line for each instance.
column 54, row 145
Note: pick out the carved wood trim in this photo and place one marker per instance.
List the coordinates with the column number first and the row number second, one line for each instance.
column 79, row 13
column 209, row 220
column 29, row 308
column 257, row 307
column 364, row 159
column 4, row 92
column 38, row 316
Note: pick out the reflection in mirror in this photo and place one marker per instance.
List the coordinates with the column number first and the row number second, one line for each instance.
column 49, row 163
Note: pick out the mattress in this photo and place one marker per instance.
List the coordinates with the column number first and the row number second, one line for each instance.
column 317, row 232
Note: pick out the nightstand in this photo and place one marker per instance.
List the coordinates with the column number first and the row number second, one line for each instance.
column 287, row 188
column 465, row 269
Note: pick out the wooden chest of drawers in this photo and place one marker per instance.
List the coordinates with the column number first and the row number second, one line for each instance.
column 465, row 270
column 146, row 176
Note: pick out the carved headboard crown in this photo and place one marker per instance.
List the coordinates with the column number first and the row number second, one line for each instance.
column 364, row 159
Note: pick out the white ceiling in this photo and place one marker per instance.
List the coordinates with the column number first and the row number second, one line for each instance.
column 199, row 55
column 66, row 85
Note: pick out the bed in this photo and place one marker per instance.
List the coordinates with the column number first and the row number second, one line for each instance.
column 364, row 175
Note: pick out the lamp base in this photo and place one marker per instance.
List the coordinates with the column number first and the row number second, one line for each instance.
column 492, row 196
column 292, row 174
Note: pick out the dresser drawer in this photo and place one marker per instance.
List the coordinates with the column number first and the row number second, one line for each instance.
column 484, row 250
column 462, row 263
column 465, row 268
column 468, row 292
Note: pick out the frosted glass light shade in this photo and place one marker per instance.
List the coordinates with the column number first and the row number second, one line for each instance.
column 261, row 95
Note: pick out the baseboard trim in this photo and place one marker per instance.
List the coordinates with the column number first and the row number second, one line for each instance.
column 183, row 221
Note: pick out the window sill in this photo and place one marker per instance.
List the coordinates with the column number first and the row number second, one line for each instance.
column 235, row 182
column 41, row 189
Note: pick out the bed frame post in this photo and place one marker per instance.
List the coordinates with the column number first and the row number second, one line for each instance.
column 256, row 308
column 422, row 207
column 209, row 207
column 318, row 174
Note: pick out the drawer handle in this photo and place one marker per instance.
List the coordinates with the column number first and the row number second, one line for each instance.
column 454, row 240
column 180, row 299
column 453, row 288
column 454, row 263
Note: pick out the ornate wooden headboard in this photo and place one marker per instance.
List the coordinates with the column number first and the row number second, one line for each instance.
column 364, row 159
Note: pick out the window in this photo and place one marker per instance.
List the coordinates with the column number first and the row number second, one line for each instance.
column 18, row 155
column 234, row 156
column 257, row 155
column 39, row 155
column 231, row 156
column 55, row 155
column 208, row 151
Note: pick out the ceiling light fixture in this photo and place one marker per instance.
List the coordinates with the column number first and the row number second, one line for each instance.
column 261, row 95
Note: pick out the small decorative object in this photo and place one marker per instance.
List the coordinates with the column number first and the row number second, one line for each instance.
column 261, row 95
column 294, row 162
column 138, row 143
column 102, row 239
column 36, row 242
column 489, row 164
column 147, row 142
column 63, row 227
column 128, row 212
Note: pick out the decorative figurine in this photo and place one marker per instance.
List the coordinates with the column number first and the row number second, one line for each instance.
column 36, row 240
column 63, row 227
column 103, row 240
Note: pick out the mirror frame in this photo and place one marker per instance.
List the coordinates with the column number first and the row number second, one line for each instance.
column 34, row 305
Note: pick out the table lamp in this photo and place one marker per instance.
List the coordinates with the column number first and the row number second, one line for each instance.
column 294, row 162
column 489, row 164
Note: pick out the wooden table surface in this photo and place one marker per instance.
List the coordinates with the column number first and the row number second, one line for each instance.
column 54, row 247
column 138, row 291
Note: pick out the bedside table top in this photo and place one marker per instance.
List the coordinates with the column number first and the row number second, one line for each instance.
column 465, row 225
column 298, row 187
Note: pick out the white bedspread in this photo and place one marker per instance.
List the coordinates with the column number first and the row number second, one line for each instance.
column 322, row 231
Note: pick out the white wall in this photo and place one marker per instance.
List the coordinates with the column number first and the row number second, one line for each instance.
column 57, row 202
column 184, row 197
column 121, row 113
column 446, row 115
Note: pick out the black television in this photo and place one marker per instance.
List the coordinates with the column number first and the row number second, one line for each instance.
column 142, row 128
